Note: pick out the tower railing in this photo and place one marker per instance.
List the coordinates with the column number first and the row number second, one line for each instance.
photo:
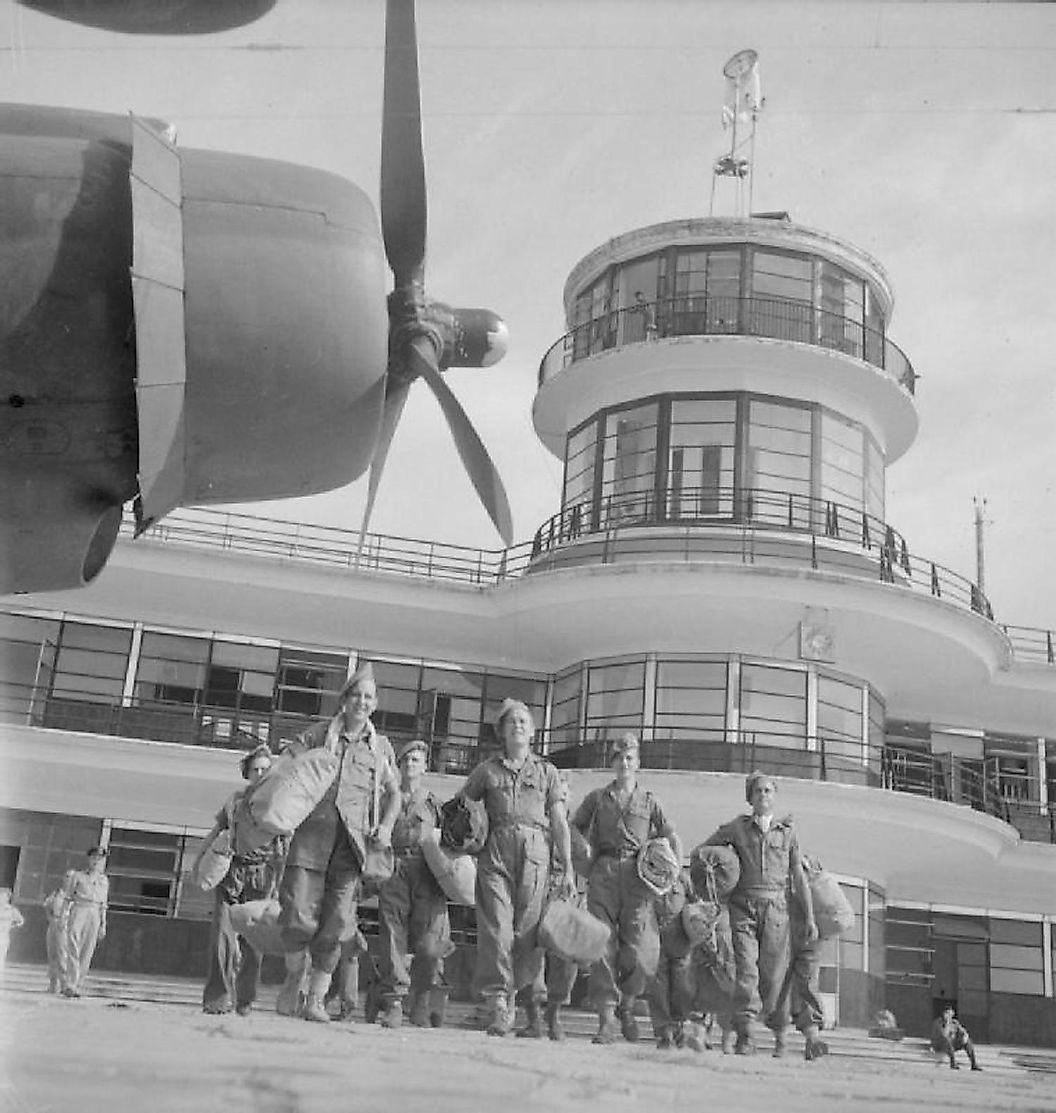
column 752, row 525
column 728, row 315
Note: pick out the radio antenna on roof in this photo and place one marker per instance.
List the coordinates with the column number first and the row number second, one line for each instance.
column 740, row 113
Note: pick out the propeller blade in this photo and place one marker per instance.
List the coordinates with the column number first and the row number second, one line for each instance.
column 396, row 393
column 482, row 472
column 403, row 201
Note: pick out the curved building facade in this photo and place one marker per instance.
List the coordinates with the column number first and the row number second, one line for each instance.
column 722, row 577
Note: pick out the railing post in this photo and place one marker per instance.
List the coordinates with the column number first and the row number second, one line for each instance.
column 935, row 589
column 1048, row 647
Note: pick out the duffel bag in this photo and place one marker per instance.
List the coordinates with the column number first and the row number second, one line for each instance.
column 571, row 932
column 832, row 910
column 714, row 870
column 658, row 868
column 215, row 861
column 287, row 795
column 455, row 873
column 257, row 921
column 463, row 825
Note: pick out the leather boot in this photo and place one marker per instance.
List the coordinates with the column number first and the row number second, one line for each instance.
column 498, row 1017
column 314, row 1009
column 608, row 1028
column 533, row 1029
column 437, row 1006
column 392, row 1015
column 290, row 1001
column 628, row 1021
column 420, row 1009
column 779, row 1043
column 554, row 1028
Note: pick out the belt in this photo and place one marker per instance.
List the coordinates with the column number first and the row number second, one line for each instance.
column 405, row 851
column 619, row 855
column 513, row 824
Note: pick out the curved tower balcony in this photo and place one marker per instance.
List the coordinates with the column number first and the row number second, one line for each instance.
column 713, row 364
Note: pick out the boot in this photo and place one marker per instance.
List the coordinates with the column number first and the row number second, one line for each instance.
column 693, row 1036
column 420, row 1009
column 392, row 1015
column 533, row 1029
column 665, row 1037
column 744, row 1044
column 779, row 1043
column 608, row 1029
column 628, row 1021
column 816, row 1047
column 554, row 1028
column 437, row 1006
column 314, row 1009
column 498, row 1018
column 290, row 1001
column 728, row 1037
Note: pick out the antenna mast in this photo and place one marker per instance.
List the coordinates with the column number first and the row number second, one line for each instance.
column 740, row 112
column 980, row 523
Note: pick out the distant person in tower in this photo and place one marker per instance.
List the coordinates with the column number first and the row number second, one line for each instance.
column 771, row 868
column 10, row 917
column 87, row 892
column 412, row 908
column 320, row 884
column 949, row 1035
column 233, row 966
column 618, row 820
column 523, row 798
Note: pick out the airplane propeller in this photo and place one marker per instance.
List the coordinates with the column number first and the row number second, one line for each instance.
column 425, row 337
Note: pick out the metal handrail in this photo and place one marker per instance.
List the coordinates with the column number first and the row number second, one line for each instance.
column 726, row 315
column 783, row 748
column 731, row 522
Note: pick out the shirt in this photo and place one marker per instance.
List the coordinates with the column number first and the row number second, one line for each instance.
column 767, row 859
column 419, row 812
column 515, row 796
column 83, row 887
column 618, row 829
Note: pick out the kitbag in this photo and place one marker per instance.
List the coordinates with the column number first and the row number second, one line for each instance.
column 569, row 931
column 455, row 873
column 285, row 798
column 463, row 825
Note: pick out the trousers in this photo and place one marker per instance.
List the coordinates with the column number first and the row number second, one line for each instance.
column 761, row 952
column 619, row 898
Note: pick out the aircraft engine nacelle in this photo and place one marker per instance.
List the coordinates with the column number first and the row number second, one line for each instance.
column 186, row 326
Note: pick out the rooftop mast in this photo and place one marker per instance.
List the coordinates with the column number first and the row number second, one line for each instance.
column 740, row 112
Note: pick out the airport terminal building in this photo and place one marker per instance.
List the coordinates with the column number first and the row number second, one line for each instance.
column 721, row 578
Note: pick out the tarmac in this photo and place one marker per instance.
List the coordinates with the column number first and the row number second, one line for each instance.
column 141, row 1043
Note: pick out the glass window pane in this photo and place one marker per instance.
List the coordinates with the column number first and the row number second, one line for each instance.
column 91, row 662
column 1017, row 981
column 629, row 469
column 1015, row 931
column 773, row 706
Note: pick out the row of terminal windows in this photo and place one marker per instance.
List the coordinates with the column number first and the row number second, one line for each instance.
column 686, row 457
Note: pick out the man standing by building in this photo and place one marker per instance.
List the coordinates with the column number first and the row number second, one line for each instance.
column 523, row 798
column 618, row 820
column 320, row 884
column 412, row 908
column 233, row 971
column 87, row 892
column 768, row 850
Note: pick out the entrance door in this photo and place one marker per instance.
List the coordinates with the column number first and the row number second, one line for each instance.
column 8, row 866
column 960, row 969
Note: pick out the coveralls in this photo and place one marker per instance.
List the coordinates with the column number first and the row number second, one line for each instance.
column 412, row 908
column 55, row 910
column 800, row 989
column 616, row 894
column 10, row 917
column 759, row 916
column 233, row 968
column 86, row 895
column 320, row 884
column 513, row 871
column 671, row 991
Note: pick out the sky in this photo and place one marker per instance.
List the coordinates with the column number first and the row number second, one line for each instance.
column 923, row 133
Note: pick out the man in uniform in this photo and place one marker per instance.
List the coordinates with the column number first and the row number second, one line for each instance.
column 617, row 821
column 233, row 966
column 412, row 909
column 768, row 850
column 523, row 798
column 320, row 885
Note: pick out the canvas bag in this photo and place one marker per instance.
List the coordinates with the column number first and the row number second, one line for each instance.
column 285, row 798
column 257, row 921
column 455, row 873
column 216, row 859
column 714, row 870
column 378, row 860
column 832, row 910
column 571, row 932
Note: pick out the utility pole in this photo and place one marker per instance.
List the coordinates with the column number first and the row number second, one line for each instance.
column 980, row 522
